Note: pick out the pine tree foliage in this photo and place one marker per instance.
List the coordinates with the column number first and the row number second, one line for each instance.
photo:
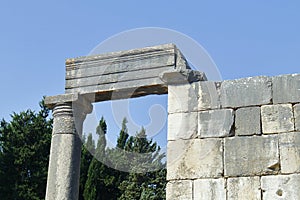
column 148, row 184
column 25, row 146
column 134, row 154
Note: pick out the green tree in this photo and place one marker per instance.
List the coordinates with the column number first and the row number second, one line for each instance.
column 25, row 145
column 87, row 152
column 100, row 181
column 142, row 183
column 123, row 136
column 118, row 158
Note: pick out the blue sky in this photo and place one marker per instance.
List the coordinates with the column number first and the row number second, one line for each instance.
column 244, row 38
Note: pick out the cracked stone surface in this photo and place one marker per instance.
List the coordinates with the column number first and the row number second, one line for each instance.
column 244, row 188
column 247, row 121
column 209, row 189
column 249, row 156
column 286, row 88
column 215, row 123
column 277, row 118
column 246, row 92
column 196, row 158
column 209, row 97
column 182, row 98
column 297, row 116
column 281, row 187
column 289, row 144
column 179, row 189
column 186, row 126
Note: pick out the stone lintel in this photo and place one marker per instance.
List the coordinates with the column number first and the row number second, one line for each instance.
column 122, row 70
column 128, row 74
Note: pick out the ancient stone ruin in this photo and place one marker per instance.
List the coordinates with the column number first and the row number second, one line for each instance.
column 235, row 139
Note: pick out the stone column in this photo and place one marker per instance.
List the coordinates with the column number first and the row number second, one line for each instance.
column 65, row 152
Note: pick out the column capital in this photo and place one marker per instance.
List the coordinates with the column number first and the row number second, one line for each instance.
column 69, row 112
column 82, row 101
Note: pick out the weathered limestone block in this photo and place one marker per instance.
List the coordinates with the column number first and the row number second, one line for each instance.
column 215, row 123
column 246, row 92
column 209, row 95
column 247, row 121
column 286, row 88
column 182, row 98
column 205, row 189
column 277, row 118
column 243, row 188
column 183, row 126
column 297, row 116
column 179, row 189
column 196, row 158
column 289, row 145
column 249, row 156
column 281, row 187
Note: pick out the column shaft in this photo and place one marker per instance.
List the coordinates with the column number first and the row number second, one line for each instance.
column 64, row 164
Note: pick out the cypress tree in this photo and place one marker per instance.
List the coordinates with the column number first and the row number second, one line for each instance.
column 87, row 151
column 123, row 136
column 100, row 180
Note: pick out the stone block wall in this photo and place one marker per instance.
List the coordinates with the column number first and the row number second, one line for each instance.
column 236, row 139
